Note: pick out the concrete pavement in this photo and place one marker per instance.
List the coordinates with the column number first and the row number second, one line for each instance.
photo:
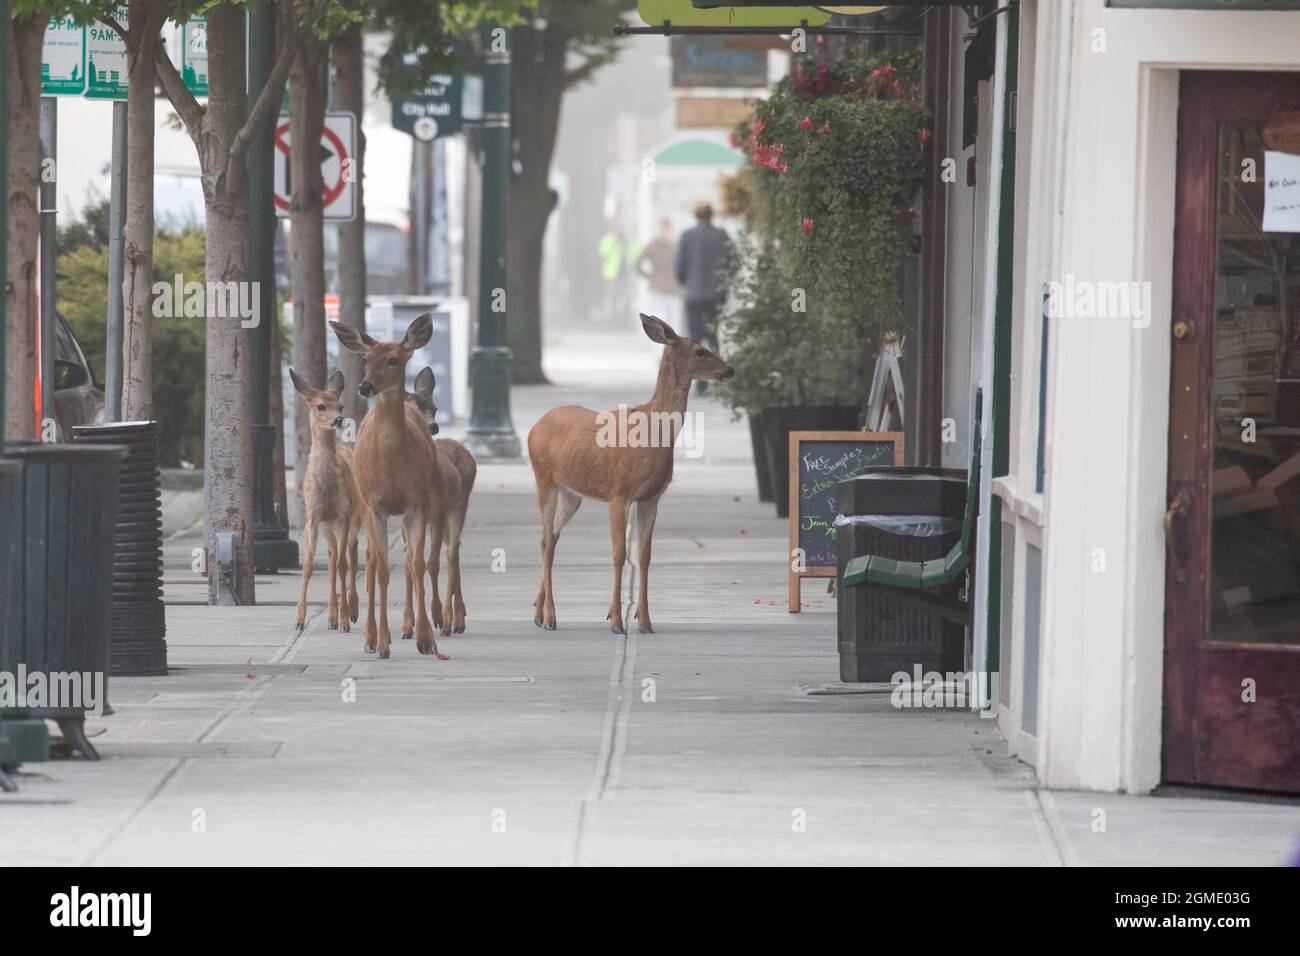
column 695, row 745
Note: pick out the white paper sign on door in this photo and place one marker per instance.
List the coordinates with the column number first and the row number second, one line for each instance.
column 1281, row 192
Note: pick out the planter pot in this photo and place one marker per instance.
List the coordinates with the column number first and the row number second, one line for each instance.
column 762, row 467
column 779, row 421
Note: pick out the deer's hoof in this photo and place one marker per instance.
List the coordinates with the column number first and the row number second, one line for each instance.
column 333, row 625
column 406, row 635
column 383, row 655
column 538, row 622
column 644, row 629
column 618, row 629
column 369, row 649
column 458, row 630
column 441, row 656
column 299, row 626
column 346, row 628
column 552, row 626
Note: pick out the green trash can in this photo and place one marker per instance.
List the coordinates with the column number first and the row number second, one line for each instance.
column 61, row 514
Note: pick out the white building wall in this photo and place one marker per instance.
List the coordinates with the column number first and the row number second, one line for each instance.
column 1102, row 631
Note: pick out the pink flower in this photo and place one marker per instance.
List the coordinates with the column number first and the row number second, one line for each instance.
column 805, row 123
column 825, row 128
column 923, row 135
column 808, row 226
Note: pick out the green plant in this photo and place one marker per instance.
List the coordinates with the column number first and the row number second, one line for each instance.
column 835, row 160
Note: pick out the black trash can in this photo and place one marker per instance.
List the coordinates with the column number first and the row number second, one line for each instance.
column 905, row 514
column 63, row 516
column 138, row 629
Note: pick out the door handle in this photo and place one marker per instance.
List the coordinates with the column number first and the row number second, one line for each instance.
column 1178, row 509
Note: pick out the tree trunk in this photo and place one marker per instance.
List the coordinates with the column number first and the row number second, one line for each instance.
column 349, row 95
column 537, row 88
column 228, row 458
column 26, row 38
column 307, row 226
column 143, row 21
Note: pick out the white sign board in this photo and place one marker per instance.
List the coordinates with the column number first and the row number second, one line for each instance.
column 1281, row 192
column 338, row 145
column 63, row 59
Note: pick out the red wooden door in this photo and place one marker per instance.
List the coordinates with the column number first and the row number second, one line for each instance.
column 1232, row 598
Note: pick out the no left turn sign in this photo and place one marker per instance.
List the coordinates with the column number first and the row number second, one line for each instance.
column 337, row 166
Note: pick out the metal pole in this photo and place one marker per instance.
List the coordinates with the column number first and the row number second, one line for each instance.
column 491, row 433
column 272, row 547
column 5, row 26
column 49, row 251
column 116, row 268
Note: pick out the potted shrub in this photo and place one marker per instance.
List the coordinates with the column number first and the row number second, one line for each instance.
column 834, row 163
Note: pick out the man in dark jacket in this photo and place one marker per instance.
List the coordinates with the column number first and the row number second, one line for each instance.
column 703, row 259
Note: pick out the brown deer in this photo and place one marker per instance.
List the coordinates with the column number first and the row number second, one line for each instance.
column 457, row 470
column 333, row 506
column 577, row 453
column 396, row 472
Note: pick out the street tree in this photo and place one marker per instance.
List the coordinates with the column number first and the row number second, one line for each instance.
column 222, row 131
column 557, row 46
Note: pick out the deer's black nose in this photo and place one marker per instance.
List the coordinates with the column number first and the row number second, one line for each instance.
column 433, row 428
column 338, row 422
column 365, row 389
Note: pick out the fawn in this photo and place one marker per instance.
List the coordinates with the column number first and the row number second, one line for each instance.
column 571, row 462
column 397, row 470
column 456, row 470
column 333, row 505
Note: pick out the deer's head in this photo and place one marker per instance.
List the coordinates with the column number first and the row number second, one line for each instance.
column 385, row 361
column 691, row 359
column 422, row 399
column 323, row 405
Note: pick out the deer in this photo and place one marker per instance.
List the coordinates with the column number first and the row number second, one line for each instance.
column 397, row 470
column 332, row 503
column 457, row 471
column 575, row 455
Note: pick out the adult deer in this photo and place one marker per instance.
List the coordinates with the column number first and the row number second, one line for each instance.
column 456, row 471
column 333, row 506
column 396, row 471
column 576, row 454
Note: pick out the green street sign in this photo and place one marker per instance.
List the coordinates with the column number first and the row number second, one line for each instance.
column 106, row 71
column 194, row 54
column 63, row 59
column 434, row 111
column 684, row 13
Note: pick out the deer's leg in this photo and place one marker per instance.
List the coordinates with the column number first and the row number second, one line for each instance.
column 618, row 539
column 408, row 616
column 566, row 507
column 308, row 558
column 547, row 495
column 332, row 556
column 437, row 612
column 354, row 606
column 454, row 607
column 378, row 637
column 345, row 611
column 646, row 511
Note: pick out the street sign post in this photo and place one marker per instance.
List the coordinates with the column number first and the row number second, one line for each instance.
column 338, row 145
column 63, row 59
column 106, row 69
column 194, row 54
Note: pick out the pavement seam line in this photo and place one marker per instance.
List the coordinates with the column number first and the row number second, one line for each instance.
column 1046, row 834
column 1059, row 834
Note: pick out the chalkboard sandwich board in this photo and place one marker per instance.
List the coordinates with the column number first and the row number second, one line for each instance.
column 819, row 461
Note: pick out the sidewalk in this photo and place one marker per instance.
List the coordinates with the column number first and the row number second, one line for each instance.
column 696, row 744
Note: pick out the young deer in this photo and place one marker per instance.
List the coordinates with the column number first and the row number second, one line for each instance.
column 571, row 462
column 396, row 472
column 457, row 469
column 333, row 505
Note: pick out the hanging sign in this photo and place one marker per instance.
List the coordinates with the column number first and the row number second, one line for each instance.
column 194, row 54
column 63, row 58
column 106, row 70
column 1281, row 192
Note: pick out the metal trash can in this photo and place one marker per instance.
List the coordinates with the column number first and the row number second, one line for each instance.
column 138, row 625
column 58, row 623
column 905, row 514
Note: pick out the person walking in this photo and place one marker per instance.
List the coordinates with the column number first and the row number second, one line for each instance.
column 701, row 265
column 655, row 264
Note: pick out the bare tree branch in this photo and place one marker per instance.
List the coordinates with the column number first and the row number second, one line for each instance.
column 189, row 109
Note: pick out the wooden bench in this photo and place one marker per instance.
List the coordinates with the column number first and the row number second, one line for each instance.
column 934, row 584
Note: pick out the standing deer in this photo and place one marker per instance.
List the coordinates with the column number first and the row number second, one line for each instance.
column 457, row 470
column 333, row 505
column 396, row 472
column 573, row 459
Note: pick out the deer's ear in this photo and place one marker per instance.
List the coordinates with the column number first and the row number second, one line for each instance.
column 657, row 329
column 352, row 339
column 424, row 382
column 419, row 332
column 335, row 383
column 299, row 386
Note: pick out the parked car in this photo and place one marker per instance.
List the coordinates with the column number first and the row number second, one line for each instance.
column 78, row 398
